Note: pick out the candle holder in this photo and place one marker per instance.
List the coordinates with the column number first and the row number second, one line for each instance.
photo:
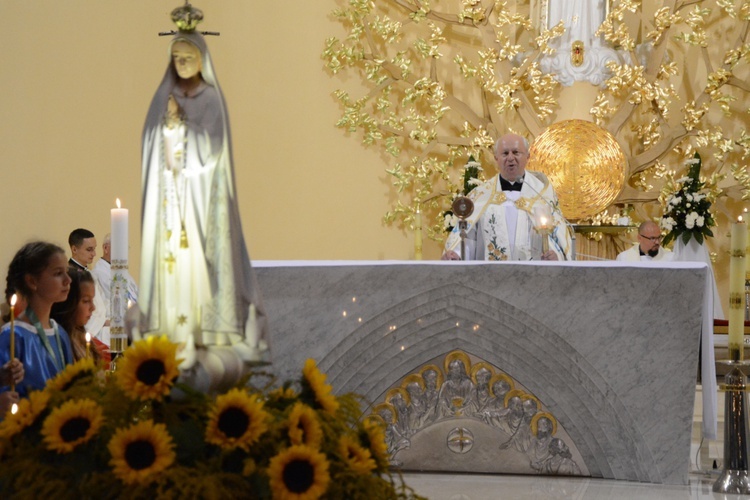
column 734, row 478
column 544, row 232
column 463, row 207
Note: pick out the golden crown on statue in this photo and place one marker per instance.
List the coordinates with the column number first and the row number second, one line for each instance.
column 187, row 17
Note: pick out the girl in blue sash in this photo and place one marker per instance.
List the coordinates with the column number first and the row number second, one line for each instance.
column 39, row 272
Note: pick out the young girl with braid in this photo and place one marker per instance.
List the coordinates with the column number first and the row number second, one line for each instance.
column 39, row 272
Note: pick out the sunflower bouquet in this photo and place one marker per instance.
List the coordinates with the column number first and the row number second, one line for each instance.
column 127, row 435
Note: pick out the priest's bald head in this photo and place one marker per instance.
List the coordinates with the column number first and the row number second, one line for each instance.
column 512, row 155
column 649, row 238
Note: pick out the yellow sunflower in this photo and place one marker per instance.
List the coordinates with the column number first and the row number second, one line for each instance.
column 72, row 423
column 304, row 427
column 140, row 451
column 374, row 437
column 148, row 368
column 282, row 393
column 28, row 411
column 359, row 459
column 84, row 367
column 298, row 473
column 237, row 420
column 317, row 383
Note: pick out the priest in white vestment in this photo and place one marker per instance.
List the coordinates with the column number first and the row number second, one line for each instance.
column 648, row 247
column 505, row 224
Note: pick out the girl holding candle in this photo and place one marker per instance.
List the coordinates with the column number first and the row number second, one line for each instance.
column 38, row 272
column 75, row 312
column 12, row 372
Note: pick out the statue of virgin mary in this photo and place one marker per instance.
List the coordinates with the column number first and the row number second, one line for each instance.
column 197, row 283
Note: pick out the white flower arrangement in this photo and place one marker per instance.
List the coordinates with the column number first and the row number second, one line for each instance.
column 687, row 210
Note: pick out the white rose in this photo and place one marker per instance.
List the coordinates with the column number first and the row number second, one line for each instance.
column 474, row 181
column 667, row 224
column 689, row 204
column 689, row 223
column 699, row 221
column 689, row 197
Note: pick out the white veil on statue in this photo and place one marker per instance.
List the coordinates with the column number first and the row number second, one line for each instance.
column 197, row 284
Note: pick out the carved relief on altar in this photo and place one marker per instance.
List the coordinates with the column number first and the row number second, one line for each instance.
column 460, row 413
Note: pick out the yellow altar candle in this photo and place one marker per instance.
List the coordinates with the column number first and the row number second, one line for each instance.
column 13, row 301
column 418, row 234
column 737, row 289
column 747, row 248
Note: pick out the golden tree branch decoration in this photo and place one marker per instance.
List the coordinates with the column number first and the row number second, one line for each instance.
column 440, row 79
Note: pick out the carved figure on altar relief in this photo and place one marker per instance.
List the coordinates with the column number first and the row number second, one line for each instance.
column 395, row 441
column 414, row 387
column 481, row 374
column 397, row 398
column 457, row 392
column 433, row 379
column 543, row 427
column 197, row 284
column 560, row 460
column 510, row 419
column 500, row 385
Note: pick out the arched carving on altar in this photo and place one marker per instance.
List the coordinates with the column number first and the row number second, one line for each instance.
column 490, row 330
column 464, row 414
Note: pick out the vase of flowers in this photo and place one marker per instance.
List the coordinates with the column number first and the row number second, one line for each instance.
column 131, row 435
column 687, row 212
column 687, row 219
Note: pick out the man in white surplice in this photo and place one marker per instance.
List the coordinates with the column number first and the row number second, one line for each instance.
column 507, row 211
column 648, row 246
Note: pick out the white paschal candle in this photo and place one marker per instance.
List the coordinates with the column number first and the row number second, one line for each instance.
column 119, row 284
column 737, row 288
column 119, row 238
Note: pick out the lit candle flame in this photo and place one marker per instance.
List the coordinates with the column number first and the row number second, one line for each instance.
column 88, row 338
column 543, row 220
column 14, row 409
column 118, row 202
column 13, row 300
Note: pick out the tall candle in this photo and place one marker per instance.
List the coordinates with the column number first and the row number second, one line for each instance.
column 119, row 285
column 418, row 234
column 737, row 289
column 747, row 248
column 13, row 301
column 119, row 230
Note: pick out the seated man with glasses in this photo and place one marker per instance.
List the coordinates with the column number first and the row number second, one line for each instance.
column 648, row 246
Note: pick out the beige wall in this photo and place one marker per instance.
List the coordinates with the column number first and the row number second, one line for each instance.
column 77, row 79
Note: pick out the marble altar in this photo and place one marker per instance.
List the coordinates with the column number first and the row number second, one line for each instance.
column 610, row 349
